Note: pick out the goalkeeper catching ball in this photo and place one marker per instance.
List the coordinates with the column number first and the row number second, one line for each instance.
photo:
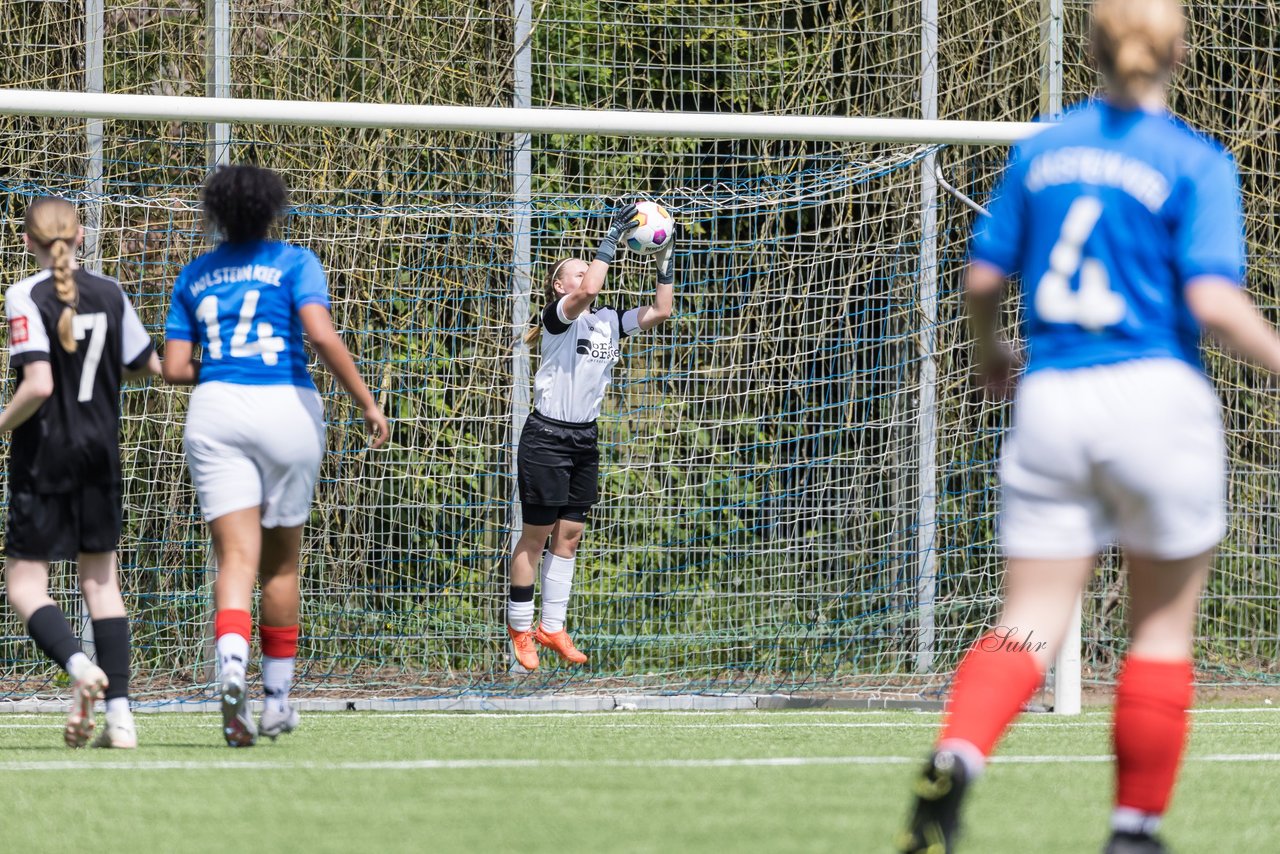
column 559, row 455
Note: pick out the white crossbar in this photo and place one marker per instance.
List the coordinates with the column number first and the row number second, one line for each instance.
column 92, row 105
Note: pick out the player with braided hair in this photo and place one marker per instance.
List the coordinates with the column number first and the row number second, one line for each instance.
column 64, row 464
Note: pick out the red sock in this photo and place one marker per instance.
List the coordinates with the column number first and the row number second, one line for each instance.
column 279, row 641
column 991, row 686
column 1151, row 723
column 229, row 621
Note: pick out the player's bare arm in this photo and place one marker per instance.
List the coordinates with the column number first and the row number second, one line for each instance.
column 179, row 366
column 36, row 387
column 592, row 279
column 325, row 340
column 150, row 368
column 650, row 316
column 1228, row 313
column 997, row 362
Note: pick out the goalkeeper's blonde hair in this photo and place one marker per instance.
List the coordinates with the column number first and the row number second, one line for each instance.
column 549, row 292
column 1137, row 43
column 52, row 224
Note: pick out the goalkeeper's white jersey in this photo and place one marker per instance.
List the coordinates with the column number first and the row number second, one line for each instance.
column 577, row 360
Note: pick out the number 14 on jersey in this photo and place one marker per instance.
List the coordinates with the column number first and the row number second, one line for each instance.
column 267, row 345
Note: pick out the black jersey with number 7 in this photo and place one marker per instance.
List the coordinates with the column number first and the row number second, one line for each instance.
column 74, row 438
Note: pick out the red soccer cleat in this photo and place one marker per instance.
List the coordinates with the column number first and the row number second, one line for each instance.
column 526, row 652
column 562, row 644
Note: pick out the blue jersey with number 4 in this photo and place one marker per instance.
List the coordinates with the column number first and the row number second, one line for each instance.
column 1106, row 217
column 240, row 304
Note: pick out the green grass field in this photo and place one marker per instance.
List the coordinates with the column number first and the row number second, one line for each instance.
column 620, row 781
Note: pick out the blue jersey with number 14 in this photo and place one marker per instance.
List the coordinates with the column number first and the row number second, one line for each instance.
column 240, row 304
column 1107, row 216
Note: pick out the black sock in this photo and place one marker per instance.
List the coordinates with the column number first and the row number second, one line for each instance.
column 112, row 639
column 523, row 593
column 50, row 630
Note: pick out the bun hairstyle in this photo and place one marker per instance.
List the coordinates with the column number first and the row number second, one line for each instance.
column 52, row 224
column 1137, row 43
column 243, row 201
column 549, row 292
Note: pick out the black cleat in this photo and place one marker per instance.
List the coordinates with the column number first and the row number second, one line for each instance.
column 935, row 816
column 1123, row 842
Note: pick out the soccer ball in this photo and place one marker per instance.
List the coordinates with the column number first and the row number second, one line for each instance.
column 655, row 231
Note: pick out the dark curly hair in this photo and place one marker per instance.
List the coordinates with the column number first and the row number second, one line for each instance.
column 243, row 201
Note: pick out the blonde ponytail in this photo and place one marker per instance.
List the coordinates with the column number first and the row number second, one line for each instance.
column 549, row 292
column 1137, row 43
column 53, row 225
column 64, row 285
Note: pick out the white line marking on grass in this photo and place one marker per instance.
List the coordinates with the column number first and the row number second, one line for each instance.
column 627, row 722
column 480, row 764
column 1249, row 710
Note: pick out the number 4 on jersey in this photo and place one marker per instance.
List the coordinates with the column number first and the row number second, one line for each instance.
column 1094, row 306
column 267, row 345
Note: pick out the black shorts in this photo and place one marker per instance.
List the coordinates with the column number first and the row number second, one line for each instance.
column 559, row 469
column 60, row 525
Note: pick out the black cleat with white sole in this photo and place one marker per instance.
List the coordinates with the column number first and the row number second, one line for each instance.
column 1122, row 842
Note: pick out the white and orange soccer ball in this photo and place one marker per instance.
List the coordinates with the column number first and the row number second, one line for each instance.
column 655, row 231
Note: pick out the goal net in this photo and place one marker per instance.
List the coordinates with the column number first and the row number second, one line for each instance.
column 778, row 490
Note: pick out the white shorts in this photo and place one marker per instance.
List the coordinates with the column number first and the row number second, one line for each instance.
column 255, row 446
column 1131, row 452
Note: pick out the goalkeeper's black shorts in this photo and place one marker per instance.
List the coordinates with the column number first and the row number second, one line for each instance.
column 559, row 469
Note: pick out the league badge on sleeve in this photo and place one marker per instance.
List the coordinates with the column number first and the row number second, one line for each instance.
column 17, row 330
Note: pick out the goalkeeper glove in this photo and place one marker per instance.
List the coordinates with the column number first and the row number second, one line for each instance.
column 664, row 260
column 623, row 221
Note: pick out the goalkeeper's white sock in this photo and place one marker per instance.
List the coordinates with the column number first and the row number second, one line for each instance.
column 557, row 583
column 520, row 607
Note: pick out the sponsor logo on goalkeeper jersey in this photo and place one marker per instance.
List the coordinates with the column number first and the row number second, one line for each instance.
column 599, row 347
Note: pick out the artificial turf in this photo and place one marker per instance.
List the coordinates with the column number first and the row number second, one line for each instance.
column 619, row 782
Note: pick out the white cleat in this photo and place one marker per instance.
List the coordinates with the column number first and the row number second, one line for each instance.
column 237, row 725
column 118, row 732
column 88, row 689
column 275, row 724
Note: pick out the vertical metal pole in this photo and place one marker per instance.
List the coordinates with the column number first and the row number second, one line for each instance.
column 91, row 252
column 217, row 85
column 521, row 251
column 94, row 81
column 1051, row 59
column 927, row 436
column 1067, row 682
column 218, row 76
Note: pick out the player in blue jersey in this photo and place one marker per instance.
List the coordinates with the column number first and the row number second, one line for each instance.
column 1125, row 229
column 255, row 430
